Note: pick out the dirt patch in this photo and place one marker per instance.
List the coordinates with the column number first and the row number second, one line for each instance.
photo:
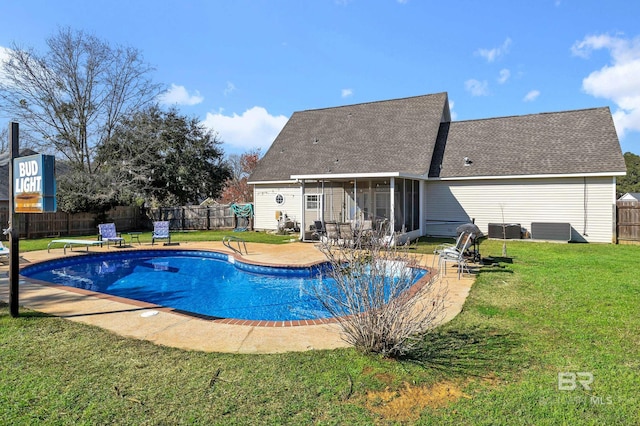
column 406, row 404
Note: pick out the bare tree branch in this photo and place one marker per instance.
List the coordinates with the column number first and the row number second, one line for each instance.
column 75, row 94
column 374, row 295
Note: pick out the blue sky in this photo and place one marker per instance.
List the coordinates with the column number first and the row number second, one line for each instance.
column 244, row 66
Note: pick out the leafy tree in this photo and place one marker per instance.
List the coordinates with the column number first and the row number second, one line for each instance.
column 630, row 182
column 164, row 158
column 237, row 190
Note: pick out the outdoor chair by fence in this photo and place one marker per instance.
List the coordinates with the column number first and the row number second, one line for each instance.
column 161, row 232
column 109, row 234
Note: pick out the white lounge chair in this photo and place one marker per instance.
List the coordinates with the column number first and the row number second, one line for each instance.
column 69, row 243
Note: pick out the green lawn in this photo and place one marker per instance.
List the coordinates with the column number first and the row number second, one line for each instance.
column 176, row 236
column 549, row 309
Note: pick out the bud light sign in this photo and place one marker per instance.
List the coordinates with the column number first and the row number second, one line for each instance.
column 34, row 186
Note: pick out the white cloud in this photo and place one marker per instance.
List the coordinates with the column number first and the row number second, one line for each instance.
column 531, row 96
column 347, row 93
column 477, row 88
column 618, row 81
column 229, row 89
column 504, row 76
column 4, row 56
column 454, row 115
column 492, row 54
column 178, row 95
column 255, row 128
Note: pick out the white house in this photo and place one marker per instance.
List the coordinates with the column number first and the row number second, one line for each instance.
column 405, row 162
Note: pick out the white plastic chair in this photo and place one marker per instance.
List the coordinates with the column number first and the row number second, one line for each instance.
column 455, row 254
column 444, row 246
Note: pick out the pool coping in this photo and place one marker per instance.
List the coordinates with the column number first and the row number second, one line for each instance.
column 417, row 286
column 190, row 333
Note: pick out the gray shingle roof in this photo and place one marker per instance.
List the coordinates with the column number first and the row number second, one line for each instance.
column 387, row 136
column 569, row 142
column 406, row 136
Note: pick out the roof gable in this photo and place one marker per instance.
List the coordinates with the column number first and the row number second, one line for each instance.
column 377, row 137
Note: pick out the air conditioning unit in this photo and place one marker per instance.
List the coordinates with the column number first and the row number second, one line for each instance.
column 552, row 231
column 510, row 231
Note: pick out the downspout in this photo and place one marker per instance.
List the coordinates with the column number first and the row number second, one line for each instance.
column 423, row 207
column 392, row 195
column 302, row 198
column 355, row 200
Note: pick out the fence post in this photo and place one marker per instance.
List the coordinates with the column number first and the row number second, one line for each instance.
column 208, row 218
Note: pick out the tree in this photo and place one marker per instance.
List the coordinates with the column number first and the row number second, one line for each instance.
column 373, row 295
column 630, row 182
column 75, row 95
column 164, row 158
column 236, row 189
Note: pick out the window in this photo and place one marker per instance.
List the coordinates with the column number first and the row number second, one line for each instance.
column 312, row 201
column 279, row 199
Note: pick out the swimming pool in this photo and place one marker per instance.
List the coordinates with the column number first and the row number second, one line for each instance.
column 203, row 283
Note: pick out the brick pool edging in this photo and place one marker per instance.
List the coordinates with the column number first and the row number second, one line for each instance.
column 230, row 321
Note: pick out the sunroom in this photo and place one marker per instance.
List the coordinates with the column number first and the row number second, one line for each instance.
column 380, row 202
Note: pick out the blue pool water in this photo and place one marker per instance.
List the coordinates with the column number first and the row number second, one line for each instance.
column 205, row 283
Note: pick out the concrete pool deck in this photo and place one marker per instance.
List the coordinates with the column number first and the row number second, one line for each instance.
column 165, row 327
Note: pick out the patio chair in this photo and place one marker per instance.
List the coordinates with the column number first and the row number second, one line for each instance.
column 161, row 232
column 109, row 234
column 346, row 234
column 318, row 229
column 332, row 234
column 444, row 246
column 456, row 255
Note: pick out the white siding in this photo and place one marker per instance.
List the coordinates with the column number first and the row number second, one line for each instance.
column 586, row 203
column 265, row 204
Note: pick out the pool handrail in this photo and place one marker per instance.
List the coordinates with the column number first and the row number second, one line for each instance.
column 228, row 239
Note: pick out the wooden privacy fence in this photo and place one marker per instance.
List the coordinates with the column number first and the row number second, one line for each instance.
column 39, row 225
column 219, row 216
column 126, row 218
column 628, row 222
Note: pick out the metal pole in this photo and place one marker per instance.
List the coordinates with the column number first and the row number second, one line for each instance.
column 14, row 234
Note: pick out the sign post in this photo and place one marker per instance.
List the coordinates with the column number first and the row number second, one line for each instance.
column 14, row 231
column 32, row 189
